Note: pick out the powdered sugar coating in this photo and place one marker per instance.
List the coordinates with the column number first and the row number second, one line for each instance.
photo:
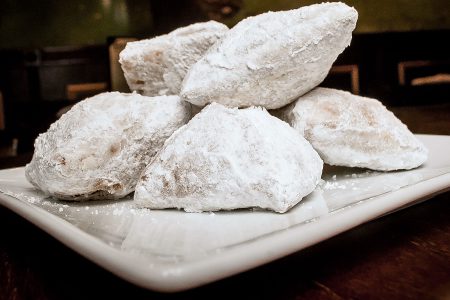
column 271, row 59
column 98, row 149
column 157, row 66
column 354, row 131
column 227, row 159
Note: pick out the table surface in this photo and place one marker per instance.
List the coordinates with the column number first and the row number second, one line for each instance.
column 405, row 255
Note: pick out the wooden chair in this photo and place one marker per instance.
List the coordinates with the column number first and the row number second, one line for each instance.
column 423, row 81
column 423, row 72
column 118, row 82
column 79, row 91
column 8, row 146
column 2, row 113
column 344, row 77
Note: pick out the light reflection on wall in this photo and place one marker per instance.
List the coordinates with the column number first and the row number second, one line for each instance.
column 106, row 4
column 121, row 13
column 29, row 23
column 374, row 16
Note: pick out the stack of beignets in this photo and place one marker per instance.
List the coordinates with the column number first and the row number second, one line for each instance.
column 232, row 154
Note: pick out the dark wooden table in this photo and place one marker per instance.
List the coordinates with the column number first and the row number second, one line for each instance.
column 405, row 255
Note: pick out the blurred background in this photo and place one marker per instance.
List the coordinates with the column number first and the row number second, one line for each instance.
column 55, row 53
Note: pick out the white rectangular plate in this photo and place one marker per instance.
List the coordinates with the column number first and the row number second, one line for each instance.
column 170, row 250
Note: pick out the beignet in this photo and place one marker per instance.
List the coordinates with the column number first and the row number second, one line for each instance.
column 98, row 149
column 226, row 159
column 354, row 131
column 271, row 59
column 157, row 66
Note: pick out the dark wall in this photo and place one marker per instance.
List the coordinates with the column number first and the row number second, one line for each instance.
column 30, row 23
